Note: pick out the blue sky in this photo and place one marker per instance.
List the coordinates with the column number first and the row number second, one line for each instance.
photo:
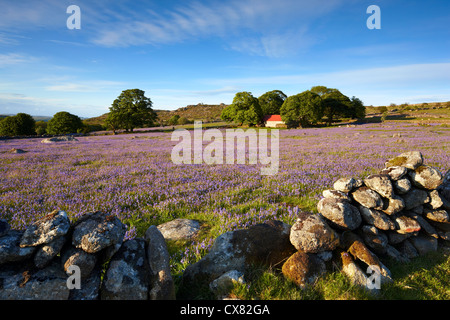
column 188, row 52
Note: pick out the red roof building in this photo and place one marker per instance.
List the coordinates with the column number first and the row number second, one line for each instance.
column 273, row 120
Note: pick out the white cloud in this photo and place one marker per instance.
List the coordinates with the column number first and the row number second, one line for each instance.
column 263, row 27
column 11, row 59
column 86, row 86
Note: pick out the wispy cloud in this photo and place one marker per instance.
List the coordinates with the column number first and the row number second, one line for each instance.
column 262, row 27
column 85, row 86
column 10, row 59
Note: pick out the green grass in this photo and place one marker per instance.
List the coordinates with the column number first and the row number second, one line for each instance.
column 424, row 278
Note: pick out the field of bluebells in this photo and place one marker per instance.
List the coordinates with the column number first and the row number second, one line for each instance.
column 133, row 177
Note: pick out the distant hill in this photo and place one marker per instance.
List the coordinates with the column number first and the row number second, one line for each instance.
column 203, row 112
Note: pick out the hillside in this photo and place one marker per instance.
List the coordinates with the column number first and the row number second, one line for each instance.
column 203, row 112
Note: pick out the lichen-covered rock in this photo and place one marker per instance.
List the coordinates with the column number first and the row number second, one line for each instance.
column 368, row 198
column 46, row 229
column 127, row 277
column 340, row 213
column 407, row 225
column 96, row 231
column 180, row 229
column 80, row 258
column 393, row 205
column 426, row 177
column 402, row 186
column 410, row 160
column 303, row 268
column 436, row 215
column 344, row 184
column 329, row 193
column 46, row 252
column 376, row 218
column 395, row 172
column 310, row 233
column 380, row 183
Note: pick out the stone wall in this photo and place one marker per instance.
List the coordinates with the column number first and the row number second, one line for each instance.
column 55, row 259
column 398, row 214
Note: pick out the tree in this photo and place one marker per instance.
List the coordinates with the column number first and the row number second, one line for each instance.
column 304, row 108
column 173, row 120
column 130, row 110
column 359, row 110
column 63, row 123
column 245, row 109
column 271, row 102
column 41, row 128
column 21, row 124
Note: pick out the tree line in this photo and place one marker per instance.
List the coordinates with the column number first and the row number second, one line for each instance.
column 304, row 109
column 132, row 109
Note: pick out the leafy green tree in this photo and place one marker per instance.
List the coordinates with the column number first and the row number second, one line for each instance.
column 63, row 123
column 359, row 110
column 21, row 124
column 271, row 102
column 173, row 120
column 41, row 128
column 131, row 109
column 245, row 109
column 336, row 104
column 305, row 108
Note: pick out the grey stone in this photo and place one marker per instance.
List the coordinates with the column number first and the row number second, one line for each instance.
column 393, row 205
column 402, row 186
column 376, row 218
column 340, row 213
column 46, row 229
column 424, row 244
column 96, row 231
column 127, row 277
column 10, row 250
column 161, row 282
column 89, row 287
column 222, row 286
column 414, row 198
column 344, row 184
column 78, row 257
column 410, row 160
column 407, row 225
column 380, row 183
column 49, row 283
column 426, row 177
column 180, row 229
column 310, row 233
column 368, row 198
column 395, row 172
column 263, row 244
column 46, row 252
column 4, row 227
column 329, row 193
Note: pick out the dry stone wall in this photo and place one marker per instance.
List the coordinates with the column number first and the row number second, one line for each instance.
column 400, row 213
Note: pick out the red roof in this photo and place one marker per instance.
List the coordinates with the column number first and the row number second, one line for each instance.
column 273, row 117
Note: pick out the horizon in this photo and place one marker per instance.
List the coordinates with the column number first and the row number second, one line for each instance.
column 189, row 52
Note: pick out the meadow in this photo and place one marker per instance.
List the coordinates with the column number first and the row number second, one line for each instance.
column 132, row 176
